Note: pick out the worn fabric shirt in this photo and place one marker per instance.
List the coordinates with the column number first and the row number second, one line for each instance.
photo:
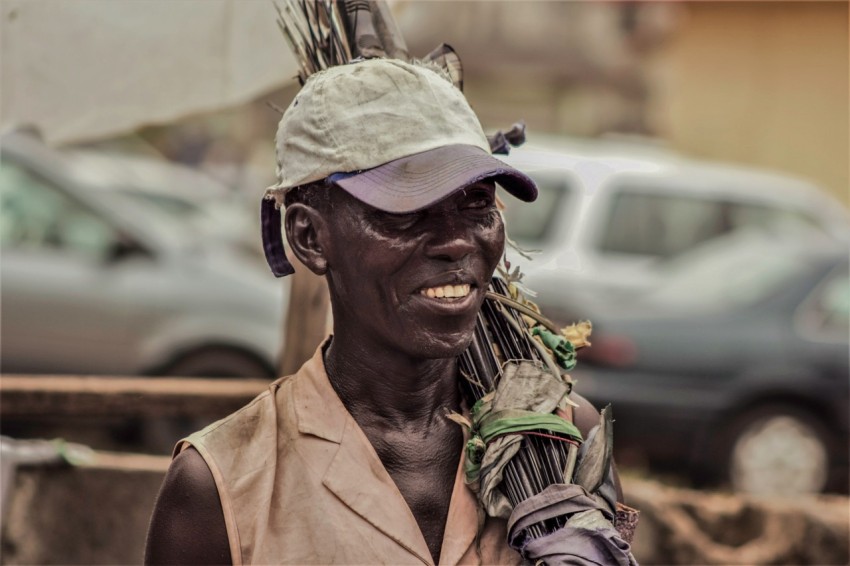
column 300, row 483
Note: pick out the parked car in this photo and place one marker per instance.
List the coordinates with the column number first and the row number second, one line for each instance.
column 96, row 283
column 733, row 369
column 209, row 208
column 610, row 213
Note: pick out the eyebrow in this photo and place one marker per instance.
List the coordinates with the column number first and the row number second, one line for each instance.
column 484, row 184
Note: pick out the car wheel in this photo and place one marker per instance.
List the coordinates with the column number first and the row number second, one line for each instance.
column 218, row 362
column 778, row 450
column 159, row 434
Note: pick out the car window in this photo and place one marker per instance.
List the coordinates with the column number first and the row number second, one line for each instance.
column 533, row 223
column 660, row 225
column 174, row 206
column 747, row 215
column 34, row 214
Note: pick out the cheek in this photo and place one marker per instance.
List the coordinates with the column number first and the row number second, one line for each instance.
column 373, row 262
column 492, row 240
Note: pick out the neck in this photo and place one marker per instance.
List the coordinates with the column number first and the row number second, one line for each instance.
column 379, row 384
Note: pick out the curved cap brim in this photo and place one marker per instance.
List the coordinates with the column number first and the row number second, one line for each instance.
column 418, row 181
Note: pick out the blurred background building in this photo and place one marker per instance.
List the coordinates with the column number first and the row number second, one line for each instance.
column 757, row 83
column 760, row 83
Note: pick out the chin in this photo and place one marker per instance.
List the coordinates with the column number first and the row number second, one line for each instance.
column 445, row 346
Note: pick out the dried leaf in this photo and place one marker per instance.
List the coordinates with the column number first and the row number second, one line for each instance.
column 578, row 333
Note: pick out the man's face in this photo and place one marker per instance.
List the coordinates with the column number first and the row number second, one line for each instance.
column 415, row 282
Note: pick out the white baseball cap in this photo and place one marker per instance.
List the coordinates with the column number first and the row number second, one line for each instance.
column 397, row 136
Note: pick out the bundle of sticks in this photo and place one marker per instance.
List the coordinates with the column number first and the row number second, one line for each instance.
column 503, row 335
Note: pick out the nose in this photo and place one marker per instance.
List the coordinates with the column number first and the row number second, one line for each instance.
column 449, row 239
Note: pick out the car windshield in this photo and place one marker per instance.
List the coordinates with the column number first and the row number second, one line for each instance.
column 533, row 223
column 731, row 271
column 184, row 199
column 176, row 207
column 665, row 224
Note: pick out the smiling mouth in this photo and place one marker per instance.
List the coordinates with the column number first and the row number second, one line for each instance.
column 446, row 292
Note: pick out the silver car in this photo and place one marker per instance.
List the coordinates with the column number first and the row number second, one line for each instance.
column 99, row 283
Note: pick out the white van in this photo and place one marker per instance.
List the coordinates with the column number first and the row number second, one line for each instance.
column 610, row 213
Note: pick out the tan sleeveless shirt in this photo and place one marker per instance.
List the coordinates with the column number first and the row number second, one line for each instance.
column 300, row 483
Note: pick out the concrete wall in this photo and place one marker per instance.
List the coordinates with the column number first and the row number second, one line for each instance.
column 99, row 514
column 96, row 514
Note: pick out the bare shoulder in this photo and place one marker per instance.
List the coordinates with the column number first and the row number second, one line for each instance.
column 585, row 417
column 187, row 526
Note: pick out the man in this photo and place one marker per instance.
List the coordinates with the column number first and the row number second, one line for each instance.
column 390, row 194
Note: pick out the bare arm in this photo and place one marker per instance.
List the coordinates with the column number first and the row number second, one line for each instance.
column 586, row 417
column 187, row 526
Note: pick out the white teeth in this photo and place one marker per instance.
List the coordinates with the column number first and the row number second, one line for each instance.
column 446, row 291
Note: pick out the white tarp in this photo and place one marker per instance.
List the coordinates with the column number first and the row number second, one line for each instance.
column 84, row 69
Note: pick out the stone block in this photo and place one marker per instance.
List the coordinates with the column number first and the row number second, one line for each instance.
column 94, row 514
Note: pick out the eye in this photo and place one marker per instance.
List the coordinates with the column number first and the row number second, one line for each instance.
column 396, row 221
column 482, row 202
column 479, row 199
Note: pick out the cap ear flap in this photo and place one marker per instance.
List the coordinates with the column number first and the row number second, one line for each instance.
column 270, row 222
column 302, row 224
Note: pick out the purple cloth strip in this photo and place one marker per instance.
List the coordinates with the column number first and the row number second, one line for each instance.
column 272, row 240
column 570, row 545
column 579, row 547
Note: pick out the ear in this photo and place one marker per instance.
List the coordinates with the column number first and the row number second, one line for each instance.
column 305, row 229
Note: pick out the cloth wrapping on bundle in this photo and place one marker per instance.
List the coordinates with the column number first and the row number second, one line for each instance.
column 588, row 538
column 524, row 400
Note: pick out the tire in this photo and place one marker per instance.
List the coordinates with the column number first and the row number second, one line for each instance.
column 218, row 362
column 158, row 435
column 777, row 450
